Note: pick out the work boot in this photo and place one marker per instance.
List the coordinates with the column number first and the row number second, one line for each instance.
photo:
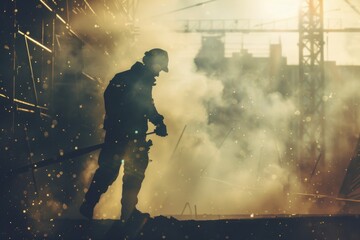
column 134, row 224
column 87, row 210
column 135, row 215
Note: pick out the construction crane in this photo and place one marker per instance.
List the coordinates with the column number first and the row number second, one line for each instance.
column 311, row 67
column 312, row 82
column 311, row 125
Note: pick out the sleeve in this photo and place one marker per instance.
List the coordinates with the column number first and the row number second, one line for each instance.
column 152, row 113
column 110, row 95
column 109, row 91
column 154, row 117
column 113, row 101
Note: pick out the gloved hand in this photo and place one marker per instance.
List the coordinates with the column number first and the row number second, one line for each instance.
column 160, row 130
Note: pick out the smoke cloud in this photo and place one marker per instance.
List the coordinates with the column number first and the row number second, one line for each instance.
column 228, row 159
column 233, row 155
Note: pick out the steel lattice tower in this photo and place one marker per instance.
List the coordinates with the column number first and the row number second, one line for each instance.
column 311, row 85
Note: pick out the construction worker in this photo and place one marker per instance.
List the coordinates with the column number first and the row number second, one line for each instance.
column 128, row 105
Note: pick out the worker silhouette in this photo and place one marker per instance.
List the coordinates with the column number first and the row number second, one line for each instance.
column 128, row 105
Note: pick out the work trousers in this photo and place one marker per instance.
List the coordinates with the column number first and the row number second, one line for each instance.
column 134, row 154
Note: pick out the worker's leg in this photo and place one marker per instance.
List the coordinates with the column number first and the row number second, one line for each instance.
column 134, row 173
column 109, row 164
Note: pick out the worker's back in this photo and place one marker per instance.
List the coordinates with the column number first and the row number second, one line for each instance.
column 128, row 102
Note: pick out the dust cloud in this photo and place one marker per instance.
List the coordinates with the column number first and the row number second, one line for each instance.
column 230, row 165
column 232, row 157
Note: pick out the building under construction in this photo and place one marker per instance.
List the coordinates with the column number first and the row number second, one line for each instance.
column 284, row 79
column 51, row 86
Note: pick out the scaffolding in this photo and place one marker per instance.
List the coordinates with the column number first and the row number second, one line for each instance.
column 35, row 34
column 44, row 82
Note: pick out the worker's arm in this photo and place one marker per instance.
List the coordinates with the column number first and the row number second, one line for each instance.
column 154, row 116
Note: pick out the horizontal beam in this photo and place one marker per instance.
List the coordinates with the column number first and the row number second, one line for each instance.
column 34, row 41
column 252, row 26
column 31, row 105
column 256, row 30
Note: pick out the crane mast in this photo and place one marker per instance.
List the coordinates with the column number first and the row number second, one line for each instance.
column 311, row 85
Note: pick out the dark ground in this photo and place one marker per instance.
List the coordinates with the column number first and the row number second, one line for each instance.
column 345, row 227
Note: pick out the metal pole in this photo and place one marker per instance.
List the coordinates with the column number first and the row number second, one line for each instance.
column 13, row 84
column 177, row 144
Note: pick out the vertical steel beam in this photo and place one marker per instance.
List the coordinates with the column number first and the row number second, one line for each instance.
column 311, row 85
column 14, row 66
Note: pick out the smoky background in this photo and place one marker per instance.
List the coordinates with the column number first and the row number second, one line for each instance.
column 235, row 155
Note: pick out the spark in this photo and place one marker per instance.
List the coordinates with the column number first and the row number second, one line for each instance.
column 47, row 6
column 91, row 9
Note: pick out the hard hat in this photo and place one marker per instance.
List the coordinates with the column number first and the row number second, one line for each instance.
column 160, row 57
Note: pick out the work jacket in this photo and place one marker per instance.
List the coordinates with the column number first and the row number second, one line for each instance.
column 129, row 103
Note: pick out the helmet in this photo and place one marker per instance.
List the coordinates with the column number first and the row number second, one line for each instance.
column 158, row 56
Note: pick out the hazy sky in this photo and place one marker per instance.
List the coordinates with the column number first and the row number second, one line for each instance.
column 219, row 9
column 339, row 47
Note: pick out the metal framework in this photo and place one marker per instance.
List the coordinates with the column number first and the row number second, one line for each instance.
column 311, row 91
column 350, row 188
column 34, row 36
column 52, row 20
column 351, row 185
column 249, row 26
